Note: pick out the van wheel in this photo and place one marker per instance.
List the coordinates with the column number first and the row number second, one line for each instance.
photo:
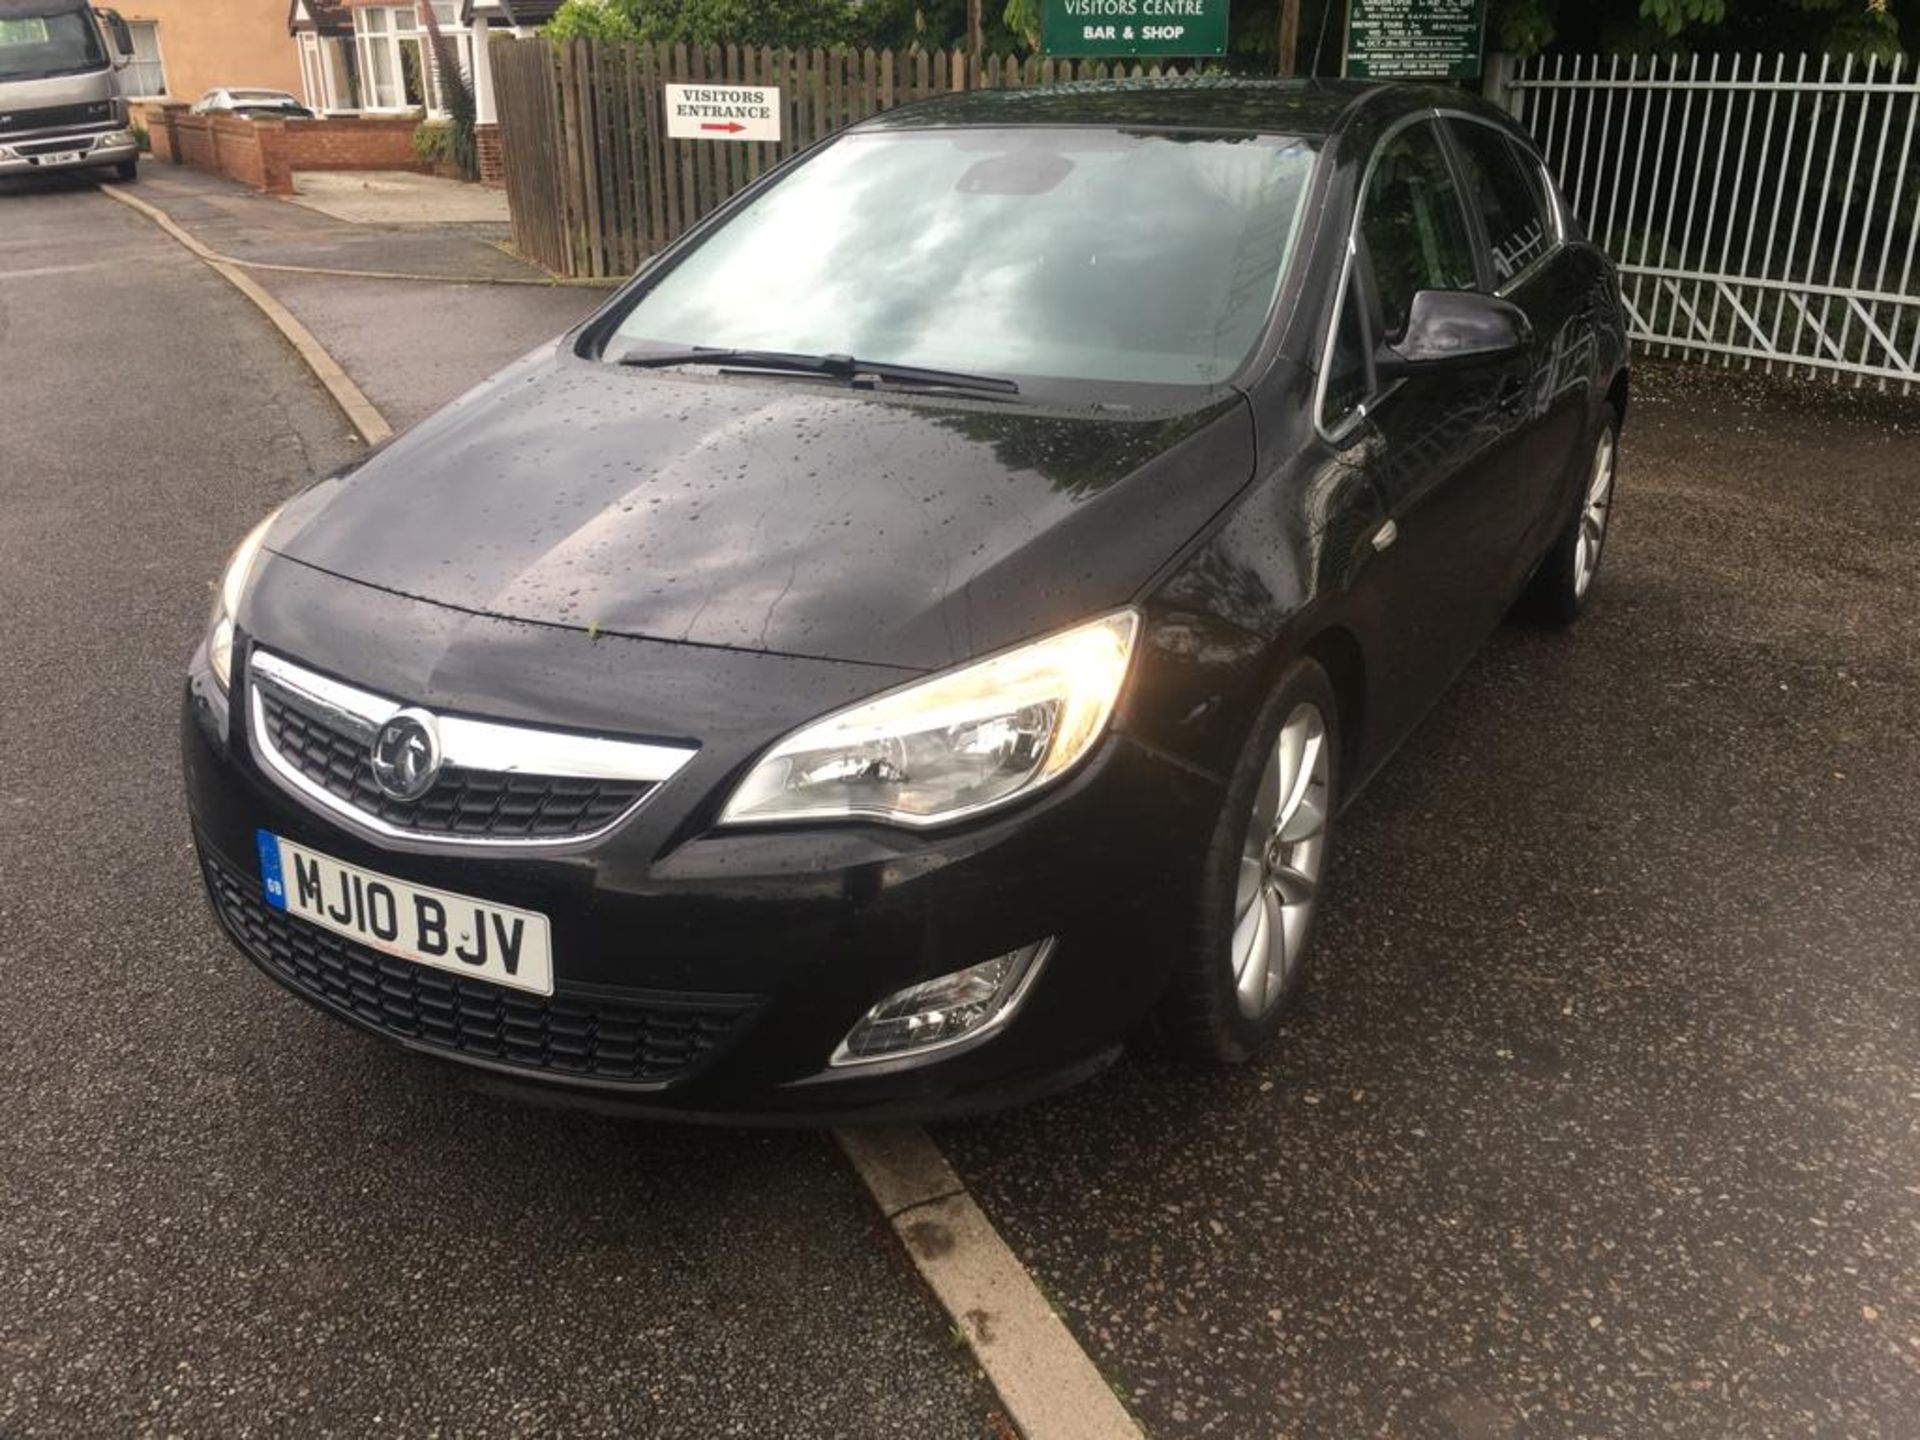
column 1564, row 581
column 1260, row 887
column 126, row 170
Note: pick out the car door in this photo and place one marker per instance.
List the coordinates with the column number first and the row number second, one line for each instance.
column 1431, row 442
column 1506, row 192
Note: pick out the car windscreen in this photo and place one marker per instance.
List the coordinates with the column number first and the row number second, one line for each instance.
column 34, row 47
column 1078, row 255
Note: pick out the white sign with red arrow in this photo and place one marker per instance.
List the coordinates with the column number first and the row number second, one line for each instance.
column 723, row 112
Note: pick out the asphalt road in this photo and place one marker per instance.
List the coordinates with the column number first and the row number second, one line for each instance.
column 1602, row 1117
column 412, row 347
column 223, row 1213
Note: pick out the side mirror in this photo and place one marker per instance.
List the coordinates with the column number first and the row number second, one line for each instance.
column 122, row 35
column 1447, row 328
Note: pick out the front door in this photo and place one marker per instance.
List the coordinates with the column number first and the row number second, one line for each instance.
column 1507, row 195
column 1437, row 443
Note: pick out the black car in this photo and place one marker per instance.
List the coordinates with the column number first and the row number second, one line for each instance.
column 921, row 631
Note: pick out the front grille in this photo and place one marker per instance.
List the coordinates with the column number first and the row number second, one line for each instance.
column 55, row 117
column 61, row 146
column 497, row 805
column 666, row 1038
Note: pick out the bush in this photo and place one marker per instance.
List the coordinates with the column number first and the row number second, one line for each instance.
column 790, row 24
column 432, row 141
column 142, row 139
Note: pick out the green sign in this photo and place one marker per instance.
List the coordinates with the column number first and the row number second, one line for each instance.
column 1415, row 39
column 1168, row 28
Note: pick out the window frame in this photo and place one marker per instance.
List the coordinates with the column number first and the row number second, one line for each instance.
column 389, row 28
column 1340, row 431
column 1526, row 158
column 159, row 61
column 1355, row 272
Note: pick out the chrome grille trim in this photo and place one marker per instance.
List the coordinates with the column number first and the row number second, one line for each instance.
column 481, row 746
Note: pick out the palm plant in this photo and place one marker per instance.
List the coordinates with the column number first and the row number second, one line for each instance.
column 457, row 92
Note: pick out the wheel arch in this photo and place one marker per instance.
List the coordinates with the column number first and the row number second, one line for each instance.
column 1617, row 394
column 1336, row 650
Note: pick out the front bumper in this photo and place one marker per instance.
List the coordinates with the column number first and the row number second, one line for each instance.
column 749, row 955
column 45, row 154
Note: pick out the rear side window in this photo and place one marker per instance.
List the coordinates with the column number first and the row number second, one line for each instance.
column 1509, row 195
column 1413, row 227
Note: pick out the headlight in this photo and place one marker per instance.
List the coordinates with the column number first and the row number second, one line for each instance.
column 226, row 603
column 954, row 745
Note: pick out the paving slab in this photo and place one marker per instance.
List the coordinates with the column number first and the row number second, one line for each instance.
column 227, row 1214
column 389, row 197
column 1602, row 1117
column 243, row 223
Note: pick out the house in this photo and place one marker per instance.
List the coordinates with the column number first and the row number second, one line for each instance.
column 366, row 67
column 184, row 48
column 371, row 57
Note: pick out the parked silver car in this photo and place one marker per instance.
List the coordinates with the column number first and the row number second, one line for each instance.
column 252, row 104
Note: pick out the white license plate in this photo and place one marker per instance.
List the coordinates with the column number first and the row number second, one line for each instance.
column 64, row 157
column 470, row 937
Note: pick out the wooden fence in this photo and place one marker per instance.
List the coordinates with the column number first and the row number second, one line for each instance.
column 596, row 186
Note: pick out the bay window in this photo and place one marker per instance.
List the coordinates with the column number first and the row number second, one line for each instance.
column 396, row 56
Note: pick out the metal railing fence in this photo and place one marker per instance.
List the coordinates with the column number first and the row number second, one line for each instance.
column 1761, row 209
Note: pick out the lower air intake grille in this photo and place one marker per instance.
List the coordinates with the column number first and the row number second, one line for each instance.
column 651, row 1042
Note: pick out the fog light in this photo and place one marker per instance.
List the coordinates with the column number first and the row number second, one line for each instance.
column 966, row 1005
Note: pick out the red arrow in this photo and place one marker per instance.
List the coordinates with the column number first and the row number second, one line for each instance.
column 732, row 127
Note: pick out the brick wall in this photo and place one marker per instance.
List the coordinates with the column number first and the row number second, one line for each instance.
column 157, row 117
column 229, row 147
column 265, row 153
column 486, row 145
column 362, row 144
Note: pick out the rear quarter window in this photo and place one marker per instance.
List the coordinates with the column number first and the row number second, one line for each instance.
column 1510, row 195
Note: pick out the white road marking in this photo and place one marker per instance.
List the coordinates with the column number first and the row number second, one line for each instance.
column 40, row 272
column 1050, row 1386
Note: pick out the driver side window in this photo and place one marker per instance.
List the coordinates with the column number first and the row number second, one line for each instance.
column 1412, row 226
column 1412, row 236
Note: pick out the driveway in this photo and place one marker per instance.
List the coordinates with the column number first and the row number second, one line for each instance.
column 1603, row 1114
column 226, row 1214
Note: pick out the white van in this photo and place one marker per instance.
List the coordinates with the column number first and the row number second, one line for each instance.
column 62, row 106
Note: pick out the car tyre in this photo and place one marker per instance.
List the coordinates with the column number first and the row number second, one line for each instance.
column 126, row 171
column 1263, row 871
column 1563, row 584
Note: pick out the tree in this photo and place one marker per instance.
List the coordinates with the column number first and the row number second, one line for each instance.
column 1860, row 27
column 790, row 24
column 1024, row 19
column 1012, row 27
column 457, row 94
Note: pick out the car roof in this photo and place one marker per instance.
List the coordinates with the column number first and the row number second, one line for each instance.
column 1213, row 102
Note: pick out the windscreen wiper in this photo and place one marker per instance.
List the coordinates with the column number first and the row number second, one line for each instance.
column 839, row 367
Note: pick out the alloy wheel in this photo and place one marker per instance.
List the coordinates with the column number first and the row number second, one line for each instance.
column 1593, row 516
column 1280, row 863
